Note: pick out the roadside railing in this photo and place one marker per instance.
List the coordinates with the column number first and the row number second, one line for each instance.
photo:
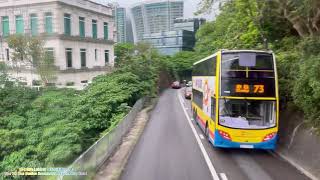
column 92, row 159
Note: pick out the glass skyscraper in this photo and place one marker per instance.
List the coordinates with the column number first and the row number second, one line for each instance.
column 155, row 16
column 121, row 24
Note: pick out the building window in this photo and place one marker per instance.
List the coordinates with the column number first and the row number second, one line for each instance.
column 34, row 24
column 49, row 53
column 95, row 54
column 5, row 26
column 83, row 57
column 105, row 30
column 69, row 57
column 48, row 22
column 19, row 24
column 67, row 24
column 106, row 56
column 94, row 29
column 82, row 27
column 49, row 57
column 8, row 54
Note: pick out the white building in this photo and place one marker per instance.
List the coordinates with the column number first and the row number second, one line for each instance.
column 81, row 34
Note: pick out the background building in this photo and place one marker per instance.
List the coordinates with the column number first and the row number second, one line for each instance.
column 155, row 16
column 190, row 24
column 171, row 42
column 129, row 33
column 80, row 34
column 121, row 22
column 181, row 39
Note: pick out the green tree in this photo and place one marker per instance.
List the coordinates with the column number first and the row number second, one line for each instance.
column 3, row 74
column 306, row 90
column 233, row 28
column 304, row 15
column 243, row 24
column 181, row 63
column 31, row 50
column 123, row 52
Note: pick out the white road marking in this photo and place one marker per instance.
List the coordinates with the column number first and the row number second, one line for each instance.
column 201, row 136
column 223, row 176
column 203, row 150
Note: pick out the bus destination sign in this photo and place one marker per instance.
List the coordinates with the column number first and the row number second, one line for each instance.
column 247, row 89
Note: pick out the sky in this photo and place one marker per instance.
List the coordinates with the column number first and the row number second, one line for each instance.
column 190, row 6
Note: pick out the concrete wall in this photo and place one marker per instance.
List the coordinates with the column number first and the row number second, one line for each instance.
column 299, row 142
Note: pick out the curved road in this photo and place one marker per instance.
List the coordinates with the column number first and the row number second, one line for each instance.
column 170, row 150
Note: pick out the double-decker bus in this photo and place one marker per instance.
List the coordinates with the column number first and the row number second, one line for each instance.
column 235, row 98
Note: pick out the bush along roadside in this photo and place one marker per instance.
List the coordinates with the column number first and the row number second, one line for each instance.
column 52, row 127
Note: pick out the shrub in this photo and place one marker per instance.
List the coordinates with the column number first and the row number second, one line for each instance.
column 306, row 90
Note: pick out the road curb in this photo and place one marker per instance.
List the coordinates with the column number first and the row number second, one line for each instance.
column 294, row 164
column 114, row 167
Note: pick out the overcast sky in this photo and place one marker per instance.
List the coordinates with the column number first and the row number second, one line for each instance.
column 190, row 6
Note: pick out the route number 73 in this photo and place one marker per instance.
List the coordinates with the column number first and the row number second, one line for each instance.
column 258, row 89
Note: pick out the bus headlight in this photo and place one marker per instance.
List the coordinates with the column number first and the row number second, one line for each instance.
column 225, row 135
column 269, row 136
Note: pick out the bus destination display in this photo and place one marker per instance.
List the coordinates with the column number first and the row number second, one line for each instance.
column 246, row 88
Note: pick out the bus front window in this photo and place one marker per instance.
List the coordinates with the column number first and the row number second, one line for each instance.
column 247, row 114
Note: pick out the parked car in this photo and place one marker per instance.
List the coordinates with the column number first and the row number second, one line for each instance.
column 188, row 92
column 176, row 85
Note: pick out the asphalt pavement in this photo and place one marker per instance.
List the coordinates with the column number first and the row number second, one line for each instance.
column 173, row 147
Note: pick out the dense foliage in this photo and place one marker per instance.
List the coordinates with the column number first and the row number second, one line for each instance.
column 304, row 15
column 52, row 127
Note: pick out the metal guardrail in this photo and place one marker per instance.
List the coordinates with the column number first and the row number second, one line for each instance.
column 94, row 157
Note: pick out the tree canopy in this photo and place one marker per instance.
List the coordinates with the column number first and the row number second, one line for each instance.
column 31, row 50
column 304, row 15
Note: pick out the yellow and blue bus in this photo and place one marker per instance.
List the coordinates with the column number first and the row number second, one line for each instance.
column 235, row 98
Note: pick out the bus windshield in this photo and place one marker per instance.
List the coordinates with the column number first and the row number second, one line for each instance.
column 247, row 114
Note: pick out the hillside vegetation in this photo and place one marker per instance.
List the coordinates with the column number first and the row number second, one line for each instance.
column 50, row 128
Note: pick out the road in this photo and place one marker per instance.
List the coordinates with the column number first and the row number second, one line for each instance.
column 170, row 150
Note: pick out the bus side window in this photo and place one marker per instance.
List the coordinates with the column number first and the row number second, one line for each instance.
column 213, row 109
column 197, row 98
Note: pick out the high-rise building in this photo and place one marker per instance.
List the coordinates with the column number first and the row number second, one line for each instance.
column 121, row 22
column 155, row 16
column 78, row 33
